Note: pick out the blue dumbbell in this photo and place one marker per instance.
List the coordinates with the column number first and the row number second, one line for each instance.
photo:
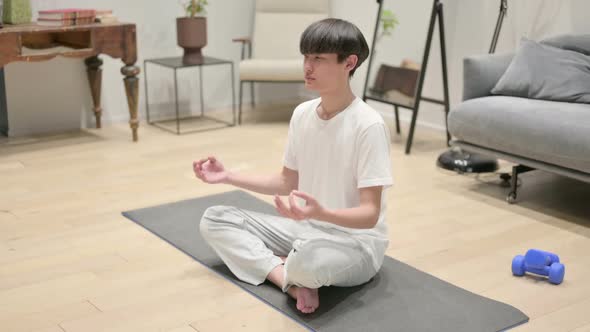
column 539, row 262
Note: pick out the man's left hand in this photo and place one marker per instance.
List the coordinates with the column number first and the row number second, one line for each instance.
column 312, row 208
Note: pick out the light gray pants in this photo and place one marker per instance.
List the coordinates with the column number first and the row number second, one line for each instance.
column 249, row 243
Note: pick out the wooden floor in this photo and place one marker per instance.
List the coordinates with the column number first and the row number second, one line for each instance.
column 70, row 262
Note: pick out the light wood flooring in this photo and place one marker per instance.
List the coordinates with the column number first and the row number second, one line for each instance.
column 69, row 261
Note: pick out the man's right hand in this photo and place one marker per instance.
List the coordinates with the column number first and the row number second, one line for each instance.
column 210, row 170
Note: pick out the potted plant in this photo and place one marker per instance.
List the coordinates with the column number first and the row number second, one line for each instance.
column 388, row 22
column 191, row 31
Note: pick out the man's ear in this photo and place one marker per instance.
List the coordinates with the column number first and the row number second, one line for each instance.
column 351, row 61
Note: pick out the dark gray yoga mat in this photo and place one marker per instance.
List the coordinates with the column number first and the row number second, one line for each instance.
column 399, row 298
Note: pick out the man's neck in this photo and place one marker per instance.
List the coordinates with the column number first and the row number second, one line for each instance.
column 333, row 103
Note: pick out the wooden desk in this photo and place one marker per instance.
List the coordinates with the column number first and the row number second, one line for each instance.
column 31, row 42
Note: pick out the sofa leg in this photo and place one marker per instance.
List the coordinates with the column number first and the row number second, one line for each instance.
column 511, row 198
column 505, row 177
column 518, row 169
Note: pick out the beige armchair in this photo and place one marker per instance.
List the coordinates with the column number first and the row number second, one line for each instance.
column 273, row 50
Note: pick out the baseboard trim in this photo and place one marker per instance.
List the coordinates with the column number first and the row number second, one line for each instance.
column 261, row 109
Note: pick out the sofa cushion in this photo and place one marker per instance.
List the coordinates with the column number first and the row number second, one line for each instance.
column 482, row 72
column 578, row 43
column 554, row 132
column 544, row 72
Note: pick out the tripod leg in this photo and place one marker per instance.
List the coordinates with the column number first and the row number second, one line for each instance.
column 503, row 9
column 396, row 119
column 443, row 53
column 416, row 106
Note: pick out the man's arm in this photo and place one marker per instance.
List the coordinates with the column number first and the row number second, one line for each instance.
column 211, row 170
column 363, row 216
column 282, row 183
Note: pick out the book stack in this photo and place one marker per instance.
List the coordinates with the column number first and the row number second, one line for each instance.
column 105, row 16
column 66, row 17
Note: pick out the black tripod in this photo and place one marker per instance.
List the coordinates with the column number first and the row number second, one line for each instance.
column 503, row 10
column 437, row 12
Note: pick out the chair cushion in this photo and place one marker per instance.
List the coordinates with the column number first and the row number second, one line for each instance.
column 544, row 72
column 554, row 132
column 271, row 70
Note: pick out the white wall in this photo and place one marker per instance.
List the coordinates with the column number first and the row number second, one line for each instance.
column 46, row 98
column 35, row 92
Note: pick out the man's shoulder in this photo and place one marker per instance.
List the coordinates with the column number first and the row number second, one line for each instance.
column 304, row 107
column 306, row 104
column 366, row 115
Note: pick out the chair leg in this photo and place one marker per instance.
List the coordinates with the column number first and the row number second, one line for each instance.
column 397, row 128
column 252, row 93
column 240, row 103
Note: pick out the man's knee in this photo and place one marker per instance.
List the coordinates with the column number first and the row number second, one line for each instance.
column 319, row 262
column 215, row 218
column 303, row 268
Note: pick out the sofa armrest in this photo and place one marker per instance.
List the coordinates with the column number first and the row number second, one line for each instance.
column 482, row 72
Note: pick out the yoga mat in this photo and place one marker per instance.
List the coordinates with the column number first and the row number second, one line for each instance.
column 398, row 298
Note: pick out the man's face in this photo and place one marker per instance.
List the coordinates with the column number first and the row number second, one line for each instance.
column 323, row 73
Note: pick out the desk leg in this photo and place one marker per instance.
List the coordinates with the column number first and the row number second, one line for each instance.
column 3, row 107
column 95, row 79
column 132, row 90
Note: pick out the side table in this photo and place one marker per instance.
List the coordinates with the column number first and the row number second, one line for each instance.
column 176, row 63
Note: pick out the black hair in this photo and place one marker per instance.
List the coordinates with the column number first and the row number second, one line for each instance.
column 334, row 35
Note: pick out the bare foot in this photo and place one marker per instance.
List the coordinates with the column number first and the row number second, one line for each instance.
column 307, row 300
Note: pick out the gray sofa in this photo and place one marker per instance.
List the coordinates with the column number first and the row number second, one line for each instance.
column 532, row 133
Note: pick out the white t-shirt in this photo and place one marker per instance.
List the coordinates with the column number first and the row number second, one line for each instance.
column 337, row 157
